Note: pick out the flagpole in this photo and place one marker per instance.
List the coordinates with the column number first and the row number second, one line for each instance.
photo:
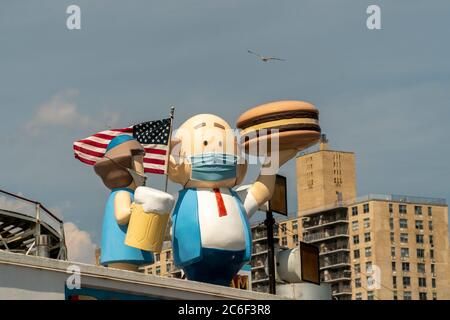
column 172, row 113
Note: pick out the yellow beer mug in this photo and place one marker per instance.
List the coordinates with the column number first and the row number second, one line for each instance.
column 149, row 216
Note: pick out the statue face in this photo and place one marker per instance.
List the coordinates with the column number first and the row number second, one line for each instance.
column 207, row 155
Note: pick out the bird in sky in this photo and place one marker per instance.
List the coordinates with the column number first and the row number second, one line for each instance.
column 264, row 58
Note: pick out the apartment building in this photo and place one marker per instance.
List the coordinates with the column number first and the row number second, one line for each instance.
column 260, row 278
column 399, row 248
column 372, row 247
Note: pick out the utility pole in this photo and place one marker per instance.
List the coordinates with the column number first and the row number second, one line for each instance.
column 269, row 222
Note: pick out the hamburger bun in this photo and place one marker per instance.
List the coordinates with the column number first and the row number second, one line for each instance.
column 293, row 124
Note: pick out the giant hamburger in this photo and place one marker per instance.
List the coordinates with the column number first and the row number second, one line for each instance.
column 291, row 124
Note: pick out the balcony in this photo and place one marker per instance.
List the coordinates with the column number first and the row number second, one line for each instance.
column 258, row 264
column 334, row 261
column 323, row 221
column 333, row 248
column 259, row 276
column 262, row 235
column 259, row 249
column 335, row 276
column 324, row 235
column 341, row 290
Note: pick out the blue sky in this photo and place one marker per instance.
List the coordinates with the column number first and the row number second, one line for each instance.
column 383, row 94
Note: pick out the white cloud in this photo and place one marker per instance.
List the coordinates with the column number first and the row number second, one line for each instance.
column 62, row 111
column 80, row 246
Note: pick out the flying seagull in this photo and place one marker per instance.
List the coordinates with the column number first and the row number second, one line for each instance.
column 263, row 58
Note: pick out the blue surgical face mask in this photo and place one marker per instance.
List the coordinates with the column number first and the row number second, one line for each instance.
column 213, row 166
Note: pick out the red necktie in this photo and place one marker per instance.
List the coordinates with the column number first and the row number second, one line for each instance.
column 220, row 204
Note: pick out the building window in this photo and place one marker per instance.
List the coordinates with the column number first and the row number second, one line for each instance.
column 394, row 267
column 405, row 266
column 392, row 237
column 422, row 282
column 158, row 270
column 419, row 225
column 403, row 237
column 356, row 254
column 367, row 237
column 283, row 228
column 354, row 211
column 366, row 208
column 294, row 226
column 391, row 208
column 357, row 268
column 295, row 238
column 356, row 239
column 419, row 238
column 391, row 223
column 404, row 252
column 366, row 223
column 407, row 295
column 420, row 253
column 434, row 296
column 418, row 210
column 284, row 241
column 393, row 252
column 157, row 257
column 406, row 281
column 395, row 295
column 431, row 241
column 394, row 282
column 168, row 267
column 431, row 254
column 430, row 225
column 403, row 223
column 402, row 208
column 358, row 296
column 422, row 296
column 358, row 282
column 355, row 225
column 368, row 252
column 432, row 270
column 370, row 295
column 430, row 211
column 421, row 267
column 369, row 266
column 433, row 283
column 168, row 255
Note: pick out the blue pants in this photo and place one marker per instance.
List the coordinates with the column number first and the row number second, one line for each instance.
column 216, row 266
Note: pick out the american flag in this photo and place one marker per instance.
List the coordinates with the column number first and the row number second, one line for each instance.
column 153, row 135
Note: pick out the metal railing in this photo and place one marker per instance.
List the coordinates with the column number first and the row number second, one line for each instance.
column 334, row 275
column 19, row 205
column 324, row 219
column 333, row 247
column 401, row 198
column 325, row 234
column 334, row 260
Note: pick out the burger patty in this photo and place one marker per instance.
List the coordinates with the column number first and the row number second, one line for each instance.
column 288, row 127
column 279, row 116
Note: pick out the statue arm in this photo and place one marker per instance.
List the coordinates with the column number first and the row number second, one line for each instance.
column 262, row 189
column 122, row 207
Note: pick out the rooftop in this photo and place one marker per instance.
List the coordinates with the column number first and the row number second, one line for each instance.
column 401, row 198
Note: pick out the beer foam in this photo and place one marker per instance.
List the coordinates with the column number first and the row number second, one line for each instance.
column 153, row 200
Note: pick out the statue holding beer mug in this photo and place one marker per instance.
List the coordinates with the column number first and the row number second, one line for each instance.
column 135, row 216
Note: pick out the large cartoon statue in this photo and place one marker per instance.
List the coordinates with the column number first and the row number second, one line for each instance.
column 121, row 170
column 211, row 232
